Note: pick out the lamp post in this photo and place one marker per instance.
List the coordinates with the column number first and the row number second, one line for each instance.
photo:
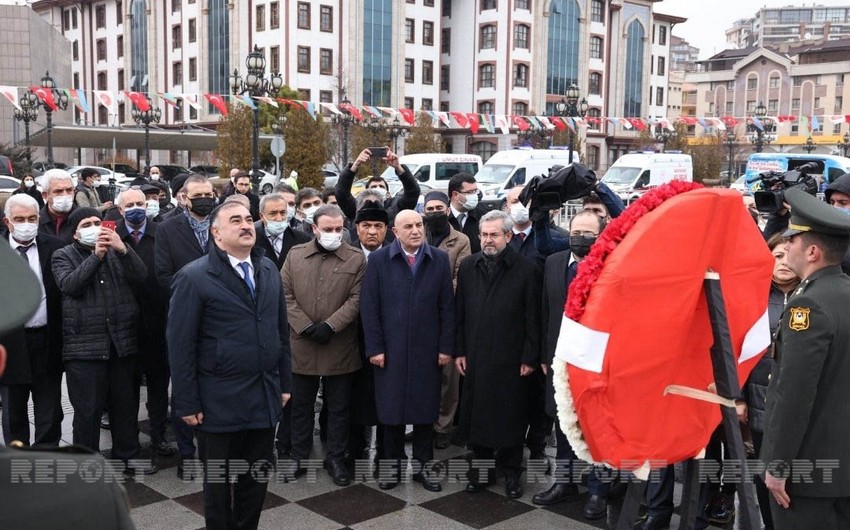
column 810, row 145
column 570, row 106
column 663, row 135
column 27, row 113
column 845, row 145
column 61, row 101
column 344, row 119
column 145, row 118
column 730, row 144
column 397, row 131
column 758, row 138
column 256, row 85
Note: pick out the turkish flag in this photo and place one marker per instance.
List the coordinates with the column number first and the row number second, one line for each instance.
column 521, row 123
column 473, row 122
column 638, row 123
column 728, row 120
column 139, row 100
column 218, row 102
column 407, row 114
column 46, row 96
column 460, row 118
column 351, row 109
column 558, row 123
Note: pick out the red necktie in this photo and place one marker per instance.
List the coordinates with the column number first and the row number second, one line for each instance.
column 521, row 236
column 136, row 236
column 411, row 260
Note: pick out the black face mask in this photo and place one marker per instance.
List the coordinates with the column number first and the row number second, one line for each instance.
column 580, row 245
column 436, row 222
column 202, row 206
column 164, row 202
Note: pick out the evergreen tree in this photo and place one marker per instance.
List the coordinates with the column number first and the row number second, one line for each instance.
column 234, row 137
column 422, row 138
column 306, row 147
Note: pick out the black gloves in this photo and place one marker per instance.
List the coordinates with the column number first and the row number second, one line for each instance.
column 320, row 333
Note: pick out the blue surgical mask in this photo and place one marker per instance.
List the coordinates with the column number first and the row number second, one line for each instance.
column 135, row 216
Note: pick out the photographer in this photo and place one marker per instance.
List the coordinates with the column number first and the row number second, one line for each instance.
column 407, row 201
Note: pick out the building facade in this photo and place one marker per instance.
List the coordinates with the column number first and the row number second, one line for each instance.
column 772, row 25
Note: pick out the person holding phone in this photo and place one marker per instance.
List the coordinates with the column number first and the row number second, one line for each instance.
column 95, row 274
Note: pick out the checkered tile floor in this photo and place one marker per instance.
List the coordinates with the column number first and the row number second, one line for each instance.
column 162, row 501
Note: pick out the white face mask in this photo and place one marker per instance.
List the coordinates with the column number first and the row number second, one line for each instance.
column 519, row 213
column 154, row 176
column 152, row 207
column 308, row 214
column 290, row 212
column 29, row 183
column 471, row 201
column 24, row 232
column 330, row 240
column 63, row 203
column 88, row 235
column 275, row 228
column 95, row 183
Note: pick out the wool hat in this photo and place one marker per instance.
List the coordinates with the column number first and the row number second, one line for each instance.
column 372, row 211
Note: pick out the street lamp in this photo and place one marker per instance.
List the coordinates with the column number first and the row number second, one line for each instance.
column 845, row 145
column 397, row 131
column 730, row 143
column 256, row 85
column 61, row 101
column 663, row 135
column 810, row 145
column 758, row 138
column 572, row 108
column 146, row 117
column 344, row 119
column 27, row 113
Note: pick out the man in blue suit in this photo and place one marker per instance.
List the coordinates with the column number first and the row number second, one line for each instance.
column 228, row 343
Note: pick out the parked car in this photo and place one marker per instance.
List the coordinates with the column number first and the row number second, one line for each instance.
column 205, row 169
column 740, row 184
column 169, row 171
column 267, row 182
column 41, row 167
column 9, row 184
column 6, row 167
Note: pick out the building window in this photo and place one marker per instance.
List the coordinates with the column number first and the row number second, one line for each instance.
column 193, row 113
column 274, row 15
column 303, row 15
column 100, row 16
column 193, row 69
column 519, row 108
column 632, row 100
column 409, row 66
column 485, row 107
column 595, row 47
column 193, row 30
column 101, row 49
column 122, row 113
column 751, row 105
column 839, row 103
column 730, row 85
column 119, row 43
column 176, row 37
column 261, row 18
column 444, row 107
column 662, row 64
column 177, row 72
column 304, row 59
column 74, row 18
column 178, row 112
column 488, row 4
column 446, row 41
column 752, row 83
column 659, row 94
column 662, row 35
column 817, row 103
column 521, row 36
column 427, row 72
column 597, row 11
column 428, row 33
column 428, row 3
column 444, row 77
column 304, row 94
column 487, row 76
column 488, row 36
column 121, row 79
column 730, row 107
column 521, row 75
column 75, row 51
column 175, row 5
column 119, row 13
column 101, row 80
column 773, row 105
column 595, row 84
column 521, row 4
column 562, row 46
column 408, row 103
column 773, row 82
column 66, row 19
column 409, row 30
column 326, row 18
column 483, row 149
column 427, row 103
column 274, row 59
column 326, row 96
column 594, row 124
column 326, row 61
column 447, row 12
column 102, row 115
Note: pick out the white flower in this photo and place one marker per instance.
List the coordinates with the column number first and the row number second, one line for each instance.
column 566, row 411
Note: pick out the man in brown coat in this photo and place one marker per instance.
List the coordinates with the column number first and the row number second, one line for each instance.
column 322, row 280
column 442, row 235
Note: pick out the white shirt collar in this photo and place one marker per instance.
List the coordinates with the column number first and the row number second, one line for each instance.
column 234, row 262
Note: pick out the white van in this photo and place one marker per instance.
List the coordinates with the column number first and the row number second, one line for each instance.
column 433, row 170
column 507, row 169
column 632, row 174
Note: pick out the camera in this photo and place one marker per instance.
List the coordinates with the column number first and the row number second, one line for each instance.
column 775, row 183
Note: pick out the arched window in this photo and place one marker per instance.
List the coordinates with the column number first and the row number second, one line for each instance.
column 597, row 11
column 519, row 108
column 521, row 36
column 592, row 157
column 488, row 36
column 487, row 76
column 593, row 124
column 562, row 57
column 634, row 70
column 521, row 75
column 595, row 84
column 483, row 149
column 595, row 47
column 485, row 107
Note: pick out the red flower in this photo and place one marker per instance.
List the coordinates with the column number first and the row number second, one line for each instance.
column 591, row 267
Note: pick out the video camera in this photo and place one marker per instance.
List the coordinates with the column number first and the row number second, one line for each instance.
column 775, row 183
column 563, row 183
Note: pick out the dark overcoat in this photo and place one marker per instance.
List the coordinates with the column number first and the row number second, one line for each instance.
column 498, row 329
column 556, row 282
column 408, row 315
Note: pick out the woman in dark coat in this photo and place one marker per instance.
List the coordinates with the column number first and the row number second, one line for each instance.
column 28, row 186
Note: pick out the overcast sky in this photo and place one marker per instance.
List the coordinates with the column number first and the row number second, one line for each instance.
column 709, row 20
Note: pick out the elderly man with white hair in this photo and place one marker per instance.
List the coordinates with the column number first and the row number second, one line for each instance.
column 58, row 192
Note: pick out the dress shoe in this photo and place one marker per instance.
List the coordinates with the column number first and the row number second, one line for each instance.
column 596, row 507
column 557, row 493
column 475, row 487
column 338, row 472
column 722, row 509
column 140, row 467
column 387, row 484
column 541, row 456
column 513, row 488
column 442, row 440
column 427, row 481
column 652, row 522
column 164, row 448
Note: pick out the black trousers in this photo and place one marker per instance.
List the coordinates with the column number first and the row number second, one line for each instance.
column 508, row 460
column 112, row 384
column 336, row 398
column 155, row 368
column 539, row 423
column 393, row 456
column 763, row 494
column 283, row 438
column 823, row 513
column 236, row 505
column 564, row 455
column 659, row 497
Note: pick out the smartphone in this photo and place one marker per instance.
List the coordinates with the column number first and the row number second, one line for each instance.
column 378, row 152
column 108, row 224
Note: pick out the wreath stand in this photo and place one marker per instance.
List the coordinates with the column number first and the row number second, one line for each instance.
column 726, row 380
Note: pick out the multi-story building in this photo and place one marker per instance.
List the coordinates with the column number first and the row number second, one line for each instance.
column 491, row 57
column 772, row 25
column 683, row 56
column 741, row 34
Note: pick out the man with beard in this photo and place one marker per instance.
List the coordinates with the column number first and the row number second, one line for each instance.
column 440, row 234
column 498, row 345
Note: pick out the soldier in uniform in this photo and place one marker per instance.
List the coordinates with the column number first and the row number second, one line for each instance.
column 805, row 441
column 75, row 487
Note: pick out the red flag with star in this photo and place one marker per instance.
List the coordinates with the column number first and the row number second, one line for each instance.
column 218, row 102
column 46, row 96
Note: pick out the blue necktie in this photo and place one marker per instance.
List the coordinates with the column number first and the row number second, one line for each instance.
column 571, row 273
column 246, row 271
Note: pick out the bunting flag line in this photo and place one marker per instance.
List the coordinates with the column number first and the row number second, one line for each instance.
column 268, row 101
column 444, row 118
column 815, row 124
column 139, row 100
column 11, row 93
column 243, row 99
column 105, row 98
column 407, row 115
column 521, row 123
column 310, row 107
column 331, row 107
column 757, row 123
column 461, row 119
column 79, row 98
column 502, row 124
column 191, row 100
column 218, row 102
column 169, row 98
column 46, row 96
column 473, row 122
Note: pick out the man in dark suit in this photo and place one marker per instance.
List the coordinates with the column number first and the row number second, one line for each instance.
column 58, row 191
column 464, row 213
column 806, row 425
column 181, row 239
column 371, row 224
column 228, row 343
column 139, row 233
column 35, row 349
column 242, row 186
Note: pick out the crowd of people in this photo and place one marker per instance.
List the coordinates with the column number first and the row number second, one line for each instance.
column 435, row 326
